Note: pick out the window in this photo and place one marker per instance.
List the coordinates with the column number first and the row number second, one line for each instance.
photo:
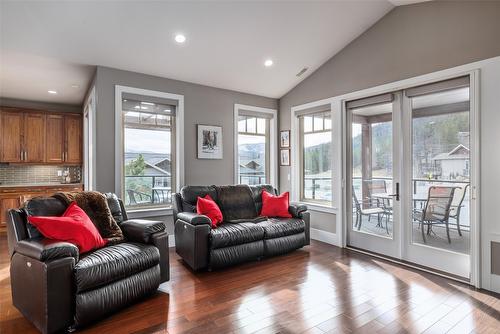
column 148, row 152
column 316, row 158
column 253, row 150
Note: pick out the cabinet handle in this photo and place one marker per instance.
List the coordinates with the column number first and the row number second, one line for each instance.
column 25, row 155
column 22, row 155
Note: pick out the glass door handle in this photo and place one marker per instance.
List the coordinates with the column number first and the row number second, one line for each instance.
column 396, row 195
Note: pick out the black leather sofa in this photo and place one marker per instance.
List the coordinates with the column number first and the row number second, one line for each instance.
column 202, row 247
column 58, row 289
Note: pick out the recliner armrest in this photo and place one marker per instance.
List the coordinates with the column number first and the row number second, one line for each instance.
column 141, row 230
column 194, row 218
column 296, row 209
column 43, row 249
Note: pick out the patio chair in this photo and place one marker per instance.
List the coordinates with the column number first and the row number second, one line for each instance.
column 137, row 197
column 436, row 210
column 457, row 204
column 360, row 212
column 376, row 187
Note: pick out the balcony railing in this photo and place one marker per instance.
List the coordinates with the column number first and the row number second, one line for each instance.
column 251, row 178
column 143, row 190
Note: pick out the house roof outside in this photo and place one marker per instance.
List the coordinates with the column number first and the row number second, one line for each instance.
column 460, row 152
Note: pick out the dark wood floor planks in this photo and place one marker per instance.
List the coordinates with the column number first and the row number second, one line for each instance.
column 318, row 289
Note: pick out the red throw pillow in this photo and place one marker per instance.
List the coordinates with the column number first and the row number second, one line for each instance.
column 73, row 226
column 207, row 206
column 275, row 206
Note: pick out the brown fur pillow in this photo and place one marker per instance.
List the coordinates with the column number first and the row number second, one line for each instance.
column 96, row 207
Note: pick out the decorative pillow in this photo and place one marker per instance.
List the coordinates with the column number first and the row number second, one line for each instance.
column 207, row 206
column 275, row 206
column 73, row 226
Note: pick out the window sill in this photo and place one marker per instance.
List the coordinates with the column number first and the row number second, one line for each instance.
column 151, row 212
column 320, row 208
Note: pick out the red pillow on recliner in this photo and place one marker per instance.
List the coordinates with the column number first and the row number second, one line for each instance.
column 275, row 206
column 207, row 206
column 73, row 226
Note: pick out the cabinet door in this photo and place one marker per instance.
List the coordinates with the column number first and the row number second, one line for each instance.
column 73, row 134
column 54, row 141
column 7, row 203
column 34, row 137
column 11, row 124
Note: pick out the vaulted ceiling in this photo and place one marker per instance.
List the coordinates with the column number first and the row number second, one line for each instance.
column 56, row 45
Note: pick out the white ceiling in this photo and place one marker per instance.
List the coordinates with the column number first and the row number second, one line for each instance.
column 53, row 45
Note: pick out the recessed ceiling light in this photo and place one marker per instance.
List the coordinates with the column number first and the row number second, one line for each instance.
column 148, row 103
column 268, row 63
column 180, row 38
column 52, row 92
column 75, row 86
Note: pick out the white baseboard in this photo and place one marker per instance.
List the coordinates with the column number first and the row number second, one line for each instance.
column 324, row 236
column 171, row 241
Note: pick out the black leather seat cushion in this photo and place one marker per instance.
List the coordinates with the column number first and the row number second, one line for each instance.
column 280, row 227
column 113, row 263
column 235, row 234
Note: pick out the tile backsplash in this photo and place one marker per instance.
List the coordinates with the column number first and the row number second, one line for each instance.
column 22, row 174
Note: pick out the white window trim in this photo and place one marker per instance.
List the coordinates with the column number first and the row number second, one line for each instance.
column 179, row 143
column 273, row 141
column 89, row 134
column 295, row 155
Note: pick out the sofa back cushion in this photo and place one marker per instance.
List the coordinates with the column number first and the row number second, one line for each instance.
column 190, row 195
column 115, row 208
column 236, row 202
column 42, row 206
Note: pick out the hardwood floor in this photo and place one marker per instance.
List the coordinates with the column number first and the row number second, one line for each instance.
column 318, row 289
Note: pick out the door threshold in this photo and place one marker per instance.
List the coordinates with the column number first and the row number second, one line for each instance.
column 412, row 265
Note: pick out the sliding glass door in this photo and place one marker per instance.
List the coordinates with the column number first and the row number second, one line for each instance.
column 408, row 175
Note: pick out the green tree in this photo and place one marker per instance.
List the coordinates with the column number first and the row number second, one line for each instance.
column 136, row 167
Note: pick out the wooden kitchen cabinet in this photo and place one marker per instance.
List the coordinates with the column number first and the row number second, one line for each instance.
column 73, row 139
column 11, row 126
column 13, row 197
column 55, row 139
column 32, row 137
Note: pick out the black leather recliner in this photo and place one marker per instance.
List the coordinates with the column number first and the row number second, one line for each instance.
column 56, row 288
column 202, row 247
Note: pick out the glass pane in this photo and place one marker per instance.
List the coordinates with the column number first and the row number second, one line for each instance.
column 163, row 120
column 261, row 125
column 308, row 123
column 148, row 118
column 318, row 123
column 251, row 125
column 372, row 159
column 147, row 167
column 251, row 159
column 317, row 155
column 441, row 170
column 132, row 117
column 328, row 123
column 242, row 124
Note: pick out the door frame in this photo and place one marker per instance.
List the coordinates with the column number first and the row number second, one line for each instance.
column 473, row 71
column 89, row 140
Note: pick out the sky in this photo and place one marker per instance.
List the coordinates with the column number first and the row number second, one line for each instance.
column 137, row 140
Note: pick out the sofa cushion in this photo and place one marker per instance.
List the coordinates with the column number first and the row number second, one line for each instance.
column 275, row 205
column 236, row 202
column 235, row 234
column 42, row 206
column 113, row 263
column 190, row 195
column 280, row 227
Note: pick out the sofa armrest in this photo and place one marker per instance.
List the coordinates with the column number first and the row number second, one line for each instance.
column 160, row 240
column 194, row 218
column 46, row 249
column 192, row 243
column 141, row 230
column 296, row 209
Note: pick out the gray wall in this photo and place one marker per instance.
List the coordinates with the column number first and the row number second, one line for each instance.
column 202, row 105
column 409, row 41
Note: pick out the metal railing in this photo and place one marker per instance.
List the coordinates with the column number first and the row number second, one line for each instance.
column 251, row 179
column 143, row 189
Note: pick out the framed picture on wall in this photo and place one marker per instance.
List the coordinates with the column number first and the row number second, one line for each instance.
column 209, row 141
column 285, row 157
column 285, row 138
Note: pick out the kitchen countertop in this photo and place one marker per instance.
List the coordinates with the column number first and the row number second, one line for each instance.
column 36, row 185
